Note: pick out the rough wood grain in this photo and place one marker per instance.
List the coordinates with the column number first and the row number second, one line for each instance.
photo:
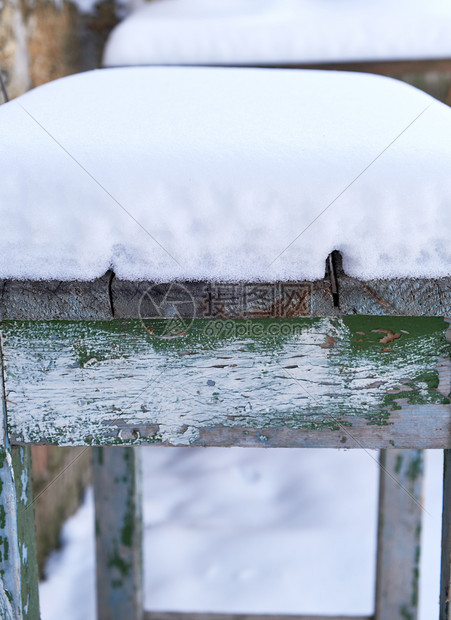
column 353, row 381
column 396, row 297
column 221, row 300
column 399, row 529
column 445, row 580
column 117, row 494
column 109, row 297
column 46, row 300
column 400, row 297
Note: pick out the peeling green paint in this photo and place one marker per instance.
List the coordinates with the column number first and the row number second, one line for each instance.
column 415, row 469
column 293, row 374
column 2, row 517
column 116, row 561
column 405, row 613
column 398, row 465
column 4, row 542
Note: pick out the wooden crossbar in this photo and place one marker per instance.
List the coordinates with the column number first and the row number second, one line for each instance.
column 110, row 298
column 332, row 363
column 355, row 382
column 445, row 581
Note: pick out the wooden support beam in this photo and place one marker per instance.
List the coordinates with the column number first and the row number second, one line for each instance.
column 108, row 297
column 10, row 560
column 445, row 581
column 373, row 382
column 18, row 567
column 21, row 460
column 399, row 529
column 117, row 495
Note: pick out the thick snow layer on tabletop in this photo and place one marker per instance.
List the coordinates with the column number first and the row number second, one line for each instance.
column 281, row 31
column 224, row 174
column 233, row 530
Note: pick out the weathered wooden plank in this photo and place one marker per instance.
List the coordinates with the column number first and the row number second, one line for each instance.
column 10, row 561
column 47, row 300
column 117, row 493
column 352, row 381
column 161, row 615
column 109, row 297
column 400, row 297
column 396, row 297
column 407, row 428
column 221, row 300
column 399, row 529
column 21, row 460
column 18, row 568
column 445, row 581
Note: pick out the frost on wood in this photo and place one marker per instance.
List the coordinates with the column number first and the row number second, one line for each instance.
column 75, row 383
column 220, row 174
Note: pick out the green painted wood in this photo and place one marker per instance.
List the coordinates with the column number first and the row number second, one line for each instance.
column 21, row 461
column 10, row 561
column 356, row 381
column 18, row 567
column 399, row 529
column 117, row 494
column 445, row 580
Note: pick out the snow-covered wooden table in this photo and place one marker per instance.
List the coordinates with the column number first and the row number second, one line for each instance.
column 125, row 363
column 170, row 275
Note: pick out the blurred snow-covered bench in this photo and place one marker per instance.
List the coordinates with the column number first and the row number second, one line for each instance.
column 409, row 39
column 198, row 256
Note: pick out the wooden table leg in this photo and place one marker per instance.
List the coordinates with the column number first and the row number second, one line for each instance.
column 399, row 529
column 117, row 493
column 445, row 581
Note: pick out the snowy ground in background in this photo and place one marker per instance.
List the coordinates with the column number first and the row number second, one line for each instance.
column 245, row 530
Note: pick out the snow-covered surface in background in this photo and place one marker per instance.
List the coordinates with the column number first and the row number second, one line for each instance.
column 249, row 530
column 69, row 591
column 281, row 31
column 123, row 8
column 169, row 173
column 86, row 6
